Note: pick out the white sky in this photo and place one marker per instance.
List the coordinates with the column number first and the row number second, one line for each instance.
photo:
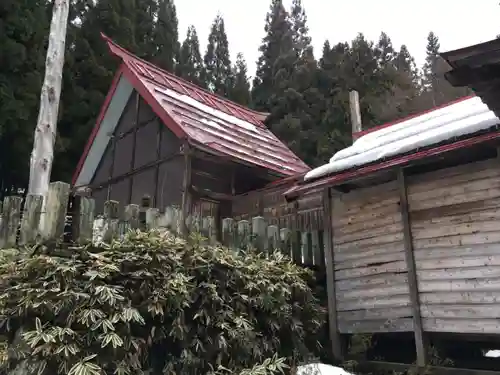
column 457, row 23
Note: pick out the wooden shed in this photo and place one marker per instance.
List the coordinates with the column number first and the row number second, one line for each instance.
column 164, row 137
column 413, row 240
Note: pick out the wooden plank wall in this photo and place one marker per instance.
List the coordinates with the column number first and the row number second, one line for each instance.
column 455, row 221
column 370, row 271
column 306, row 213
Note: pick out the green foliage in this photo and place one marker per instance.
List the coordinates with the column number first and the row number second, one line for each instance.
column 166, row 36
column 240, row 92
column 155, row 302
column 190, row 65
column 217, row 71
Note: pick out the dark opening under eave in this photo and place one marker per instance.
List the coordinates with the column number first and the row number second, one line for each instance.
column 477, row 67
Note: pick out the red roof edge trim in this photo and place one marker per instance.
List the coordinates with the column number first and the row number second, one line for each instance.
column 400, row 161
column 154, row 104
column 93, row 134
column 119, row 51
column 406, row 118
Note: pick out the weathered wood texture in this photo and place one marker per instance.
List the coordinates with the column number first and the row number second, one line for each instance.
column 455, row 221
column 370, row 271
column 304, row 247
column 305, row 214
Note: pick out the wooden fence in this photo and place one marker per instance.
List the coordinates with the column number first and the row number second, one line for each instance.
column 74, row 218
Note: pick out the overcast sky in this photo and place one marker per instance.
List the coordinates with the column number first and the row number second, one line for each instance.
column 457, row 23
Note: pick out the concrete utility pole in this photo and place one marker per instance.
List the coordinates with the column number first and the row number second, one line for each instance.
column 46, row 127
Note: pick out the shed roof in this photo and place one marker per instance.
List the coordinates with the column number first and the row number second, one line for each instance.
column 459, row 125
column 206, row 120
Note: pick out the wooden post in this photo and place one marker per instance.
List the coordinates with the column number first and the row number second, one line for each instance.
column 31, row 219
column 228, row 238
column 10, row 221
column 412, row 272
column 83, row 219
column 55, row 210
column 46, row 128
column 330, row 276
column 186, row 186
column 355, row 111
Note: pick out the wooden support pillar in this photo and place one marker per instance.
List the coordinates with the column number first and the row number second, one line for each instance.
column 186, row 189
column 134, row 147
column 330, row 276
column 420, row 343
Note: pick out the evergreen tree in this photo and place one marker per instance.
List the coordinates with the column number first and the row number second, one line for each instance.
column 166, row 36
column 436, row 89
column 217, row 72
column 240, row 92
column 190, row 65
column 430, row 76
column 385, row 50
column 143, row 19
column 277, row 42
column 23, row 34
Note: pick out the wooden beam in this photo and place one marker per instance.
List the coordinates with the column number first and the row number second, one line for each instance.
column 420, row 343
column 134, row 142
column 134, row 171
column 330, row 275
column 355, row 112
column 186, row 184
column 158, row 157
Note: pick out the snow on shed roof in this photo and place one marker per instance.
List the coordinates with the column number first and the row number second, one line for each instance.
column 204, row 119
column 434, row 131
column 458, row 119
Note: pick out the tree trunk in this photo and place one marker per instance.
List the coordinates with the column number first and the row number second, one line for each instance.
column 46, row 127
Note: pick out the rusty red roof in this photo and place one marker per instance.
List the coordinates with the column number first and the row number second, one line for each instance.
column 208, row 120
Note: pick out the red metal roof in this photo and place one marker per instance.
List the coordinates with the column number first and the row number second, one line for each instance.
column 206, row 119
column 350, row 175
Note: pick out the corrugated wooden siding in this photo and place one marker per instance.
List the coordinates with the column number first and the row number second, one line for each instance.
column 370, row 269
column 455, row 221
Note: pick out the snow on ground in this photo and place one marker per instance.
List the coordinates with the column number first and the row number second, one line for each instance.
column 465, row 117
column 321, row 369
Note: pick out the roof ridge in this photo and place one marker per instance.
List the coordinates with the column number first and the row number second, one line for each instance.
column 415, row 115
column 109, row 41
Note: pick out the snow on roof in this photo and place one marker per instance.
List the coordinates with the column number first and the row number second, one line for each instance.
column 458, row 119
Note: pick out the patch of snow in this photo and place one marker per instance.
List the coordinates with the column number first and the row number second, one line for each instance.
column 207, row 109
column 465, row 117
column 492, row 354
column 321, row 369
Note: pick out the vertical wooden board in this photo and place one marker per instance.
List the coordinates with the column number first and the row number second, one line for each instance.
column 307, row 250
column 330, row 276
column 317, row 254
column 296, row 246
column 31, row 219
column 55, row 210
column 10, row 221
column 412, row 273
